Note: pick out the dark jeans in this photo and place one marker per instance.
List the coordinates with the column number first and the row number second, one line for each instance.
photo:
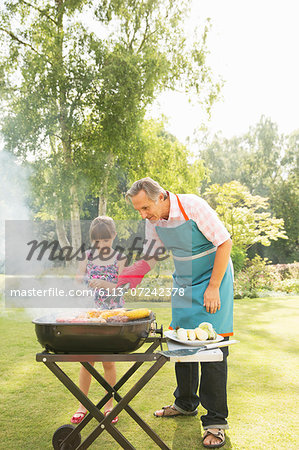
column 212, row 390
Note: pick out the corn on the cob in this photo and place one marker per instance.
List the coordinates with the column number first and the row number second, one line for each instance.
column 137, row 313
column 94, row 314
column 110, row 313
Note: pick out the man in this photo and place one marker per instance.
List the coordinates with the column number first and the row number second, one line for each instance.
column 201, row 246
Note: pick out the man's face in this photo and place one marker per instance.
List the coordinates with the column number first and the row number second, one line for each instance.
column 147, row 208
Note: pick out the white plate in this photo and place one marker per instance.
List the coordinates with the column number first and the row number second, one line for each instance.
column 171, row 334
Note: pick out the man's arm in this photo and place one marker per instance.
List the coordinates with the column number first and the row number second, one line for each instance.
column 134, row 274
column 211, row 295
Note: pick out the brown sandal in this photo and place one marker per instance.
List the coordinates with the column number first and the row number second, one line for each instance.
column 218, row 434
column 171, row 411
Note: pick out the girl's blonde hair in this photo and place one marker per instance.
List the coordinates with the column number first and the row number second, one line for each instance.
column 102, row 227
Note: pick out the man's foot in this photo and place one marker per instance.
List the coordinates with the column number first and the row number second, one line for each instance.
column 213, row 438
column 78, row 416
column 171, row 411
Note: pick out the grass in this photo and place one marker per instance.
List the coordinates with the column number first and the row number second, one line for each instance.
column 262, row 386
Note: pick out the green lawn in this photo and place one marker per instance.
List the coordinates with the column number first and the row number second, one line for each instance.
column 262, row 386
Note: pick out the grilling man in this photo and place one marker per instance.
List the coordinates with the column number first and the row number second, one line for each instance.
column 200, row 244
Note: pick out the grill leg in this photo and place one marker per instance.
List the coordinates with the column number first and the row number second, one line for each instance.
column 128, row 408
column 104, row 421
column 118, row 385
column 123, row 404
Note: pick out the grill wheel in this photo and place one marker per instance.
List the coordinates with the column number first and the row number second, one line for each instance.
column 61, row 433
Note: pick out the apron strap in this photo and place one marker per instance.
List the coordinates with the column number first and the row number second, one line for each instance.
column 191, row 258
column 181, row 208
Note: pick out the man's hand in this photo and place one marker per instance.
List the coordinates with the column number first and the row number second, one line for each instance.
column 211, row 295
column 211, row 299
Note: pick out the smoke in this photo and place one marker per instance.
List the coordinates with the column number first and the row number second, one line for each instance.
column 13, row 188
column 15, row 214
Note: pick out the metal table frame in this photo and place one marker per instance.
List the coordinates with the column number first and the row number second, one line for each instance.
column 158, row 360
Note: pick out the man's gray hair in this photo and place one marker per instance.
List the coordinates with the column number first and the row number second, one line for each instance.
column 149, row 186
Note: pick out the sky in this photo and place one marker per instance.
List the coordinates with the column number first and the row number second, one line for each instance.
column 253, row 46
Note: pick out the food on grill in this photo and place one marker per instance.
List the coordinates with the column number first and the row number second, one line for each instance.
column 203, row 332
column 182, row 334
column 135, row 314
column 120, row 315
column 80, row 319
column 111, row 313
column 117, row 319
column 94, row 314
column 208, row 327
column 91, row 319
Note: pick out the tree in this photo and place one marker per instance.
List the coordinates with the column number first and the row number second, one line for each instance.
column 169, row 161
column 166, row 160
column 261, row 167
column 74, row 99
column 253, row 158
column 245, row 215
column 222, row 158
column 284, row 201
column 267, row 163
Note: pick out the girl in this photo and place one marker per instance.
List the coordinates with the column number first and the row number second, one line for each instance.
column 100, row 270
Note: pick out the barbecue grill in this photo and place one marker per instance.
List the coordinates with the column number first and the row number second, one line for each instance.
column 66, row 339
column 67, row 437
column 93, row 337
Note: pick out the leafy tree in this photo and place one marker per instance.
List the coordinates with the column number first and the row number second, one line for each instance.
column 245, row 216
column 74, row 98
column 267, row 163
column 253, row 158
column 284, row 201
column 169, row 161
column 261, row 167
column 222, row 158
column 163, row 158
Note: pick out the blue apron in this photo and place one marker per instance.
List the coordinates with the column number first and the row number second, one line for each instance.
column 194, row 258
